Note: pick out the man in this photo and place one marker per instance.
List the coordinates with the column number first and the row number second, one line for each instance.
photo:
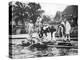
column 61, row 29
column 67, row 28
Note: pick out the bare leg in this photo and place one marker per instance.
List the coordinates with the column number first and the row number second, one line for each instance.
column 51, row 35
column 68, row 37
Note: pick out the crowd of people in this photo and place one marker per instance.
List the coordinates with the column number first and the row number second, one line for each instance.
column 48, row 32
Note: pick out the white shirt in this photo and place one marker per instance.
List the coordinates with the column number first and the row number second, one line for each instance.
column 68, row 27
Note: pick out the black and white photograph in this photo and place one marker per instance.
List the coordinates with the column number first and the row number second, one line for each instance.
column 42, row 29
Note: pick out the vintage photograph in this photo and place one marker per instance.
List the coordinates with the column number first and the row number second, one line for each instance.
column 42, row 30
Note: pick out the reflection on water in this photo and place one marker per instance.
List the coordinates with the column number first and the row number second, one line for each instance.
column 25, row 52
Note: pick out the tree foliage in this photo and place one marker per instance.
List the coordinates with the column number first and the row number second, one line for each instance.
column 45, row 19
column 20, row 13
column 23, row 12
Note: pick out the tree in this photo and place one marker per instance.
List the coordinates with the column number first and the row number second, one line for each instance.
column 35, row 11
column 19, row 12
column 45, row 19
column 57, row 16
column 22, row 12
column 71, row 13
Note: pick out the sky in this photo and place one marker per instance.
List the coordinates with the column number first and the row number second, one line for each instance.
column 51, row 8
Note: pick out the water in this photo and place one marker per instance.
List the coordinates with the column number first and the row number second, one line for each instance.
column 25, row 52
column 19, row 51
